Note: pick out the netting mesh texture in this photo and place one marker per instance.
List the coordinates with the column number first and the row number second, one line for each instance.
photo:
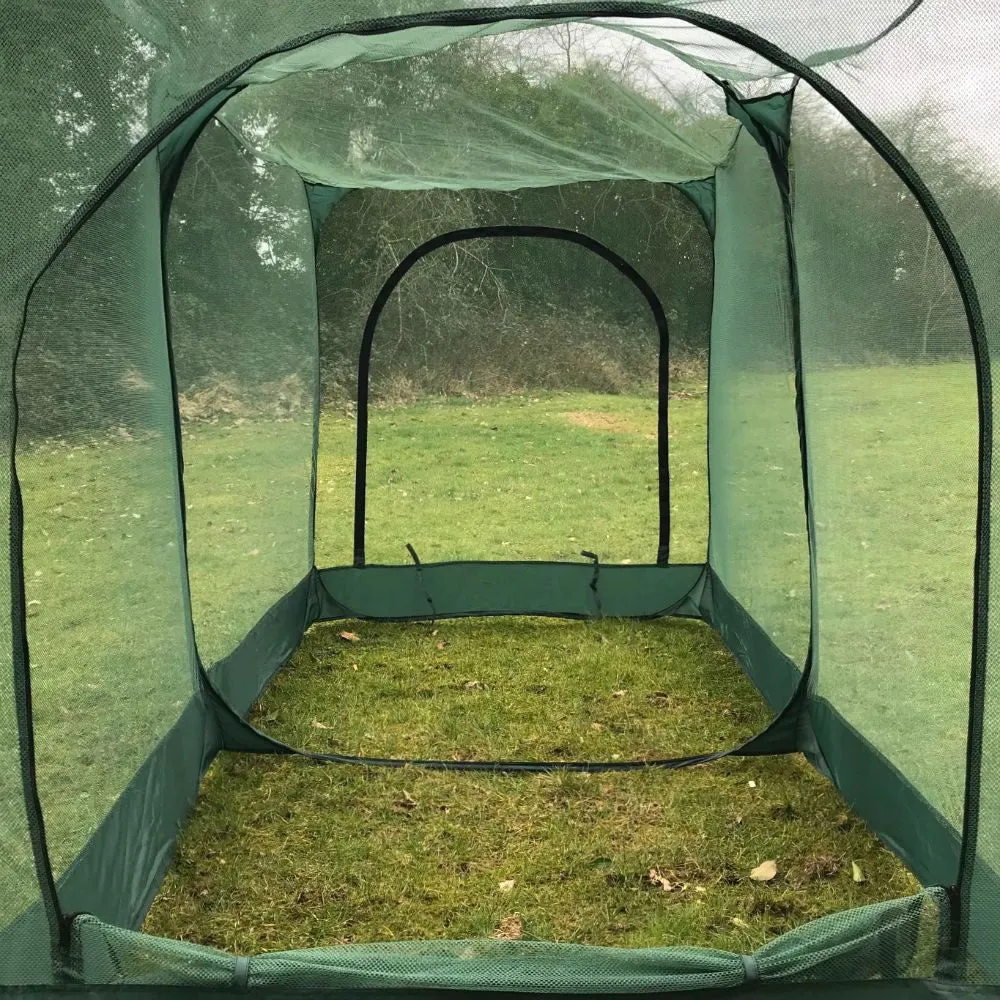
column 890, row 392
column 79, row 136
column 107, row 611
column 759, row 545
column 484, row 339
column 900, row 938
column 239, row 266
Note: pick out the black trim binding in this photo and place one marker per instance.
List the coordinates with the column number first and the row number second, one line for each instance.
column 59, row 928
column 504, row 232
column 58, row 924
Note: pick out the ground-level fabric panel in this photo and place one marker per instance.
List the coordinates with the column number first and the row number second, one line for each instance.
column 773, row 673
column 886, row 989
column 442, row 590
column 245, row 672
column 895, row 938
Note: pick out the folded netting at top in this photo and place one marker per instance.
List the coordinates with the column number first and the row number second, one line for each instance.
column 502, row 106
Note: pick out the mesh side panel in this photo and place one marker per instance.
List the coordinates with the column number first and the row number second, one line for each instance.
column 500, row 965
column 107, row 627
column 900, row 939
column 243, row 330
column 108, row 955
column 525, row 337
column 759, row 545
column 895, row 939
column 946, row 126
column 891, row 412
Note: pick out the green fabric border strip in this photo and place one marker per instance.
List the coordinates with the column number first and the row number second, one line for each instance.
column 118, row 872
column 864, row 943
column 456, row 589
column 901, row 817
column 772, row 672
column 245, row 672
column 886, row 989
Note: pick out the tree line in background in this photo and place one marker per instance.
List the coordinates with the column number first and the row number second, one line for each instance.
column 495, row 316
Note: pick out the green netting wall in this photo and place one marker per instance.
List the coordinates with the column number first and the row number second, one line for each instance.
column 946, row 130
column 891, row 412
column 895, row 939
column 107, row 613
column 491, row 325
column 759, row 546
column 239, row 255
column 890, row 407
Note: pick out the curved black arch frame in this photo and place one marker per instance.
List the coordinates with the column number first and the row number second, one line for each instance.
column 227, row 85
column 506, row 232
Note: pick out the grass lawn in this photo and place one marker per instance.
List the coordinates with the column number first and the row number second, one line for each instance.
column 284, row 854
column 345, row 851
column 345, row 854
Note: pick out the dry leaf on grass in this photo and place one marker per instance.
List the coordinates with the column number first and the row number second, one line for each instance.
column 510, row 928
column 316, row 724
column 507, row 885
column 765, row 871
column 656, row 877
column 441, row 644
column 472, row 685
column 407, row 802
column 856, row 873
column 350, row 636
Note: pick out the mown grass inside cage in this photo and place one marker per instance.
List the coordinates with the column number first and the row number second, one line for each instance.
column 281, row 853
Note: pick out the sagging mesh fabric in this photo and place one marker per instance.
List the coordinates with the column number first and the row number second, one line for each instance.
column 239, row 266
column 891, row 413
column 540, row 106
column 510, row 332
column 111, row 657
column 899, row 938
column 758, row 542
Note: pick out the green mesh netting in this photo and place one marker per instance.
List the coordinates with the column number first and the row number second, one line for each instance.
column 759, row 545
column 898, row 938
column 891, row 412
column 885, row 342
column 107, row 617
column 243, row 331
column 538, row 106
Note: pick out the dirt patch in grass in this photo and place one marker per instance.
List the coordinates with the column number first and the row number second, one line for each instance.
column 608, row 423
